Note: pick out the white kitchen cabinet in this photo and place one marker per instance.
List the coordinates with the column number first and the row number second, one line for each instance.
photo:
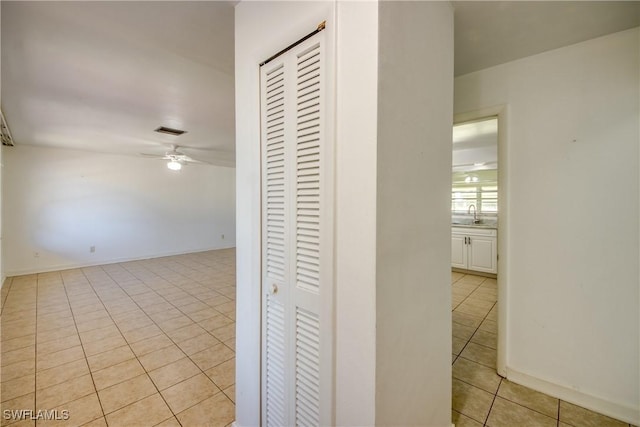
column 459, row 250
column 474, row 249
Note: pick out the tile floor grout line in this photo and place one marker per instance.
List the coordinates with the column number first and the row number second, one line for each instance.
column 513, row 401
column 174, row 343
column 495, row 396
column 189, row 293
column 34, row 375
column 481, row 364
column 558, row 423
column 196, row 280
column 130, row 349
column 212, row 307
column 479, row 343
column 177, row 307
column 88, row 292
column 465, row 298
column 480, row 388
column 474, row 332
column 75, row 324
column 185, row 314
column 469, row 340
column 6, row 294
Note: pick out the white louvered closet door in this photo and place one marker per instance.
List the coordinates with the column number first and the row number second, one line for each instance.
column 297, row 327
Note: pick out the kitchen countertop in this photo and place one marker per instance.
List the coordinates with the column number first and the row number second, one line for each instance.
column 487, row 226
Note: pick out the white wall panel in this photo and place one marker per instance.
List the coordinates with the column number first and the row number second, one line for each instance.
column 58, row 203
column 572, row 275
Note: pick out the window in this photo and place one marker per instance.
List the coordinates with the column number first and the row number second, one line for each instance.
column 478, row 188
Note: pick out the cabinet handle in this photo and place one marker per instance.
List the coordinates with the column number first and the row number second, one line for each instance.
column 469, row 240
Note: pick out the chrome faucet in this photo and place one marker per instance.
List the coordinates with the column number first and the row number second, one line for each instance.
column 475, row 216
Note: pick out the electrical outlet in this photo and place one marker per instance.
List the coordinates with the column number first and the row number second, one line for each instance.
column 92, row 249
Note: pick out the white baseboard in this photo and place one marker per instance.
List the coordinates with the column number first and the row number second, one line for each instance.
column 611, row 409
column 72, row 265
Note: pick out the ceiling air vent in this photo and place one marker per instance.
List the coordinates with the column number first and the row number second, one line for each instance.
column 4, row 131
column 170, row 131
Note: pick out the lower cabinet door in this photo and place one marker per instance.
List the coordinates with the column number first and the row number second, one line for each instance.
column 458, row 251
column 482, row 254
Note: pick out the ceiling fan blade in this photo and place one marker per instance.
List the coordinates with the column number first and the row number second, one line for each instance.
column 178, row 156
column 155, row 156
column 191, row 147
column 194, row 161
column 207, row 149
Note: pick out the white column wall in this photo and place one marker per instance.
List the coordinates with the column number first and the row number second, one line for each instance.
column 413, row 276
column 356, row 168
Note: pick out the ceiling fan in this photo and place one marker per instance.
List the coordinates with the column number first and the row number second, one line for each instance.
column 175, row 158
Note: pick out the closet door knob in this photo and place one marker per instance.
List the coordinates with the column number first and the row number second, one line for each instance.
column 274, row 289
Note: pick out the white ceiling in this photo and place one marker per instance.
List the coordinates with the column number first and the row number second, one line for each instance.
column 489, row 33
column 475, row 145
column 102, row 76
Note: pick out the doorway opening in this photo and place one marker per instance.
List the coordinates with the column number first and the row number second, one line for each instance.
column 474, row 242
column 478, row 250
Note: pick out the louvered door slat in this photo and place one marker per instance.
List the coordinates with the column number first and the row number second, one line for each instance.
column 275, row 358
column 308, row 262
column 274, row 172
column 308, row 230
column 308, row 123
column 307, row 368
column 275, row 264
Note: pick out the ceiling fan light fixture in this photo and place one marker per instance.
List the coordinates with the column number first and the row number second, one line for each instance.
column 174, row 166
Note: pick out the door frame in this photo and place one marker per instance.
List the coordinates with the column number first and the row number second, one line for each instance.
column 501, row 112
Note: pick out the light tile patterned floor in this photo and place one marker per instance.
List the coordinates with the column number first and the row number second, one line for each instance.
column 480, row 396
column 152, row 342
column 139, row 343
